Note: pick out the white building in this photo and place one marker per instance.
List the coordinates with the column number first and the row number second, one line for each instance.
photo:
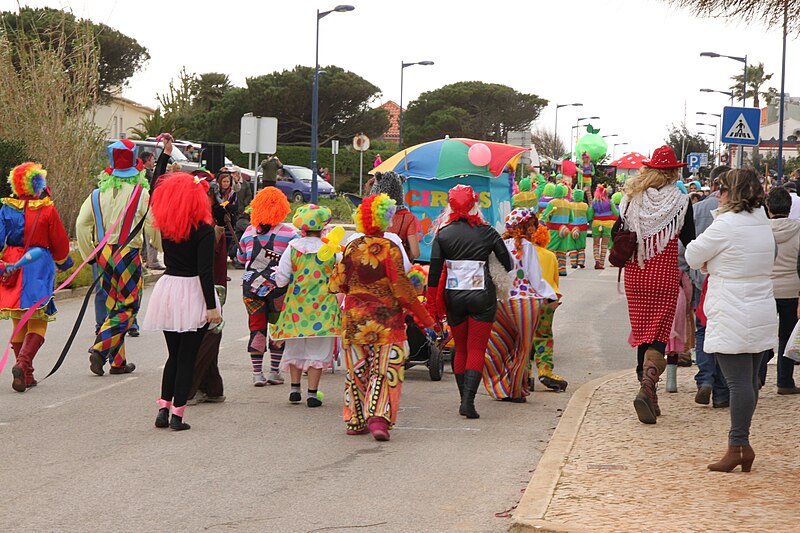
column 119, row 116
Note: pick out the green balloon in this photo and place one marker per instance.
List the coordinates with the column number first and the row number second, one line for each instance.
column 594, row 145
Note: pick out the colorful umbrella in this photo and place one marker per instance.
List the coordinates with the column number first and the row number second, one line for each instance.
column 447, row 158
column 631, row 160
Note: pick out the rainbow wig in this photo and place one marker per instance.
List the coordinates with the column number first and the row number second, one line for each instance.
column 419, row 278
column 374, row 214
column 28, row 180
column 179, row 205
column 269, row 207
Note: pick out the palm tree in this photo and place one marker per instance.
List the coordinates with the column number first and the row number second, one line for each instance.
column 209, row 88
column 155, row 124
column 756, row 78
column 770, row 12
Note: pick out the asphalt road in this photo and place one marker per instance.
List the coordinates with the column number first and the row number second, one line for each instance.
column 80, row 452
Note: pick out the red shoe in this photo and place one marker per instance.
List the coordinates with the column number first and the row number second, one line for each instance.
column 379, row 428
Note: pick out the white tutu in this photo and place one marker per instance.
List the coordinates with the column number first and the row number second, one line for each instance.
column 176, row 304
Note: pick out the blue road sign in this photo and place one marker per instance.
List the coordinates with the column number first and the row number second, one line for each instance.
column 740, row 125
column 694, row 160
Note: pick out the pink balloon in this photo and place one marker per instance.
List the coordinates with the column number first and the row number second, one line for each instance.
column 479, row 155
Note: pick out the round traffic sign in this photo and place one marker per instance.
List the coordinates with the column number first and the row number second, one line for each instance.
column 361, row 142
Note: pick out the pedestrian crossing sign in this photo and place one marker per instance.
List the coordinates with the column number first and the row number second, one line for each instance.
column 740, row 125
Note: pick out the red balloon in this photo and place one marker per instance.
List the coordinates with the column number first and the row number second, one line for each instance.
column 568, row 168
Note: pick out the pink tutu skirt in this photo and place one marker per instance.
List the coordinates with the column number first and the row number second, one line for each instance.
column 176, row 304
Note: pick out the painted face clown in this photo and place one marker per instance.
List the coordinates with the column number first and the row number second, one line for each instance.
column 459, row 286
column 34, row 244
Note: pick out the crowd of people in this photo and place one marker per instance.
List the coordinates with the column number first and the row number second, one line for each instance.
column 715, row 271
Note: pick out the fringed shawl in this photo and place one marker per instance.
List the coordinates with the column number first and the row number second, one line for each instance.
column 657, row 216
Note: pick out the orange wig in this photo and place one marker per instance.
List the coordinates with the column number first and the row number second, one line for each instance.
column 180, row 204
column 269, row 207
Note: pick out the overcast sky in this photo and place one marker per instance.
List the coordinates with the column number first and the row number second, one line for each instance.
column 634, row 63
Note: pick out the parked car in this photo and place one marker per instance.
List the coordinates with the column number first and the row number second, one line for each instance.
column 295, row 182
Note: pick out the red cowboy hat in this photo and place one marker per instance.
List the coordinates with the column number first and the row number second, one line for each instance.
column 664, row 158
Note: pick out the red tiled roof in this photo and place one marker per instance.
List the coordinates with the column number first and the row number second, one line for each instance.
column 393, row 133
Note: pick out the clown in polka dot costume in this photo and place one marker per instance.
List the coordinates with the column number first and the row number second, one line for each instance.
column 310, row 320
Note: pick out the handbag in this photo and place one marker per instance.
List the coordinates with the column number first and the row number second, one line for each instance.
column 624, row 244
column 792, row 350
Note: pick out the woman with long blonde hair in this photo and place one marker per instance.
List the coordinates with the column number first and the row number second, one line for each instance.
column 659, row 213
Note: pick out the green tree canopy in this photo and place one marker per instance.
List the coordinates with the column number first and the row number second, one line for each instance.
column 473, row 109
column 120, row 56
column 345, row 106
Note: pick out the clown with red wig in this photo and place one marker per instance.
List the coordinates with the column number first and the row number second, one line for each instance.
column 28, row 223
column 372, row 276
column 460, row 254
column 183, row 303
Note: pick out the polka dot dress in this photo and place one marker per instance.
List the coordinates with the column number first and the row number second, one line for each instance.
column 652, row 295
column 309, row 309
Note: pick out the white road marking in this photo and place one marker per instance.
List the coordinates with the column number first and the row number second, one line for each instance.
column 90, row 393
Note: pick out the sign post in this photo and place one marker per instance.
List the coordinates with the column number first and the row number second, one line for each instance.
column 258, row 135
column 741, row 125
column 361, row 144
column 334, row 151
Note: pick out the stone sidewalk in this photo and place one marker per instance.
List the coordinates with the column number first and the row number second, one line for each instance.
column 605, row 471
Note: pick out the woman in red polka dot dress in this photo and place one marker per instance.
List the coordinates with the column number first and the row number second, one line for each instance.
column 656, row 210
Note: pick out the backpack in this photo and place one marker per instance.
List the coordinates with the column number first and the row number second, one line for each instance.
column 257, row 279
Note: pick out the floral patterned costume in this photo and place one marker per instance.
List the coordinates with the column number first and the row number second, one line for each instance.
column 372, row 277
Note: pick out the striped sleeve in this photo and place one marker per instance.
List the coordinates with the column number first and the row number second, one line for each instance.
column 245, row 249
column 284, row 234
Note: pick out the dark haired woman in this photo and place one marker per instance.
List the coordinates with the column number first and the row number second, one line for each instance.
column 738, row 252
column 183, row 303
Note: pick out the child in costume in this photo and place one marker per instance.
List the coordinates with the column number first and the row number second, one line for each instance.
column 183, row 303
column 372, row 277
column 543, row 338
column 310, row 320
column 525, row 197
column 28, row 221
column 261, row 246
column 558, row 217
column 587, row 171
column 548, row 192
column 507, row 370
column 578, row 229
column 602, row 214
column 463, row 243
column 125, row 179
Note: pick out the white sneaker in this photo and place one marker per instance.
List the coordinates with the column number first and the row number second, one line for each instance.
column 259, row 380
column 275, row 378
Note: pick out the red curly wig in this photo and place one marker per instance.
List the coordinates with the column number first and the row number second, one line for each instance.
column 180, row 204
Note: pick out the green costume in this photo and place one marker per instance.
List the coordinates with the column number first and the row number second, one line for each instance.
column 558, row 217
column 578, row 229
column 525, row 197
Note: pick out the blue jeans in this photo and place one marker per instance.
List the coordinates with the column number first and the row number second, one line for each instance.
column 787, row 318
column 100, row 310
column 708, row 371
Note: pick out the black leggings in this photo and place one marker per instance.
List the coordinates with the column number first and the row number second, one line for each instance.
column 179, row 369
column 658, row 345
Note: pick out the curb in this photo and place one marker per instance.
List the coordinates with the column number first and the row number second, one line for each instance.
column 80, row 292
column 533, row 506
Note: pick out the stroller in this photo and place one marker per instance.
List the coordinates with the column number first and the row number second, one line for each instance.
column 426, row 348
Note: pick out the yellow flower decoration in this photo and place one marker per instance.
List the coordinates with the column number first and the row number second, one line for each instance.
column 371, row 333
column 373, row 253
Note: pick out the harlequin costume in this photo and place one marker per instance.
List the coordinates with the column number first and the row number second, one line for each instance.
column 123, row 181
column 28, row 221
column 602, row 214
column 183, row 299
column 310, row 320
column 525, row 197
column 507, row 367
column 372, row 278
column 578, row 229
column 460, row 255
column 558, row 217
column 261, row 246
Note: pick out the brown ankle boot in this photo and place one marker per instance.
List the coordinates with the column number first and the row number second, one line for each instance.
column 735, row 456
column 646, row 401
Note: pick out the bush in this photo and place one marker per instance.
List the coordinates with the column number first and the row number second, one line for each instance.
column 12, row 153
column 341, row 210
column 84, row 277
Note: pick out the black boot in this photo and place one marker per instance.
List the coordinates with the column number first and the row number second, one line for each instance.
column 472, row 379
column 460, row 383
column 177, row 423
column 162, row 420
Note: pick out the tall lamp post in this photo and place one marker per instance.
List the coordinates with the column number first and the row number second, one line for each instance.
column 740, row 150
column 555, row 128
column 575, row 127
column 719, row 119
column 315, row 102
column 614, row 149
column 402, row 69
column 716, row 131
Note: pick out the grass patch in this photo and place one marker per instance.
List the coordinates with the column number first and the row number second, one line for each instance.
column 341, row 210
column 84, row 277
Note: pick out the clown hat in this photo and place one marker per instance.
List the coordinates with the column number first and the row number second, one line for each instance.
column 122, row 159
column 518, row 216
column 311, row 217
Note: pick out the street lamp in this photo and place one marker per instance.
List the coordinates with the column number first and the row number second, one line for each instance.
column 315, row 103
column 614, row 149
column 714, row 144
column 555, row 128
column 402, row 68
column 610, row 135
column 727, row 93
column 735, row 58
column 711, row 114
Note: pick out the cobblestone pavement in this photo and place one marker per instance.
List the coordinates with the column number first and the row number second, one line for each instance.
column 621, row 475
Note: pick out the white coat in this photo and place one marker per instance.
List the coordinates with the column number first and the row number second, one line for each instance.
column 739, row 251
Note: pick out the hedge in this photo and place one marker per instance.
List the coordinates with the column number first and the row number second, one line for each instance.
column 12, row 153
